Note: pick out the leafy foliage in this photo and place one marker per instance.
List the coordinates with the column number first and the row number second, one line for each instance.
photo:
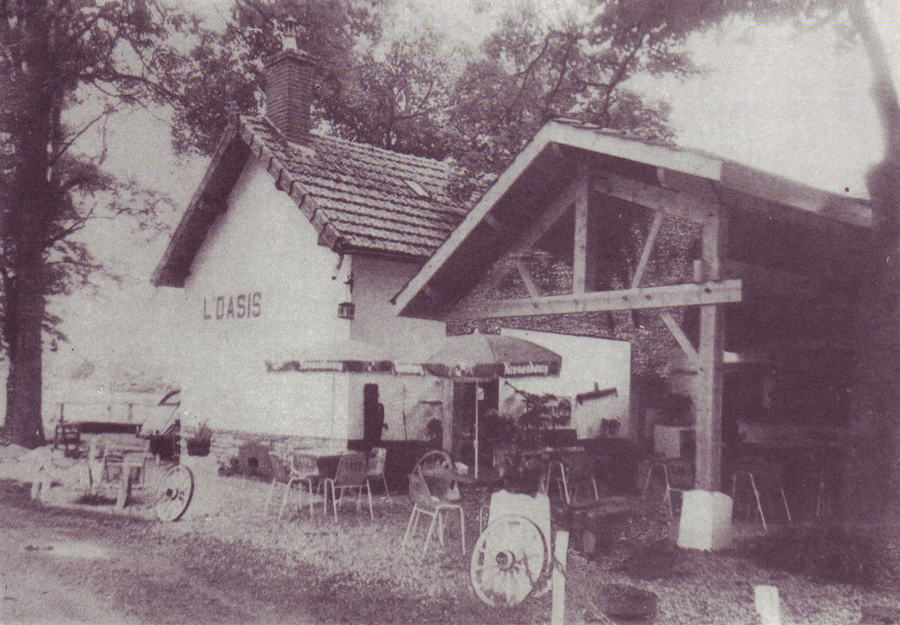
column 389, row 92
column 56, row 56
column 530, row 71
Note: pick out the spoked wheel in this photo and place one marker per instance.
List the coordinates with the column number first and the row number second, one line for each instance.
column 509, row 561
column 173, row 496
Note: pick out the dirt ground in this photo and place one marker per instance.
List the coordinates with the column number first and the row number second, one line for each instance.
column 64, row 565
column 74, row 566
column 67, row 563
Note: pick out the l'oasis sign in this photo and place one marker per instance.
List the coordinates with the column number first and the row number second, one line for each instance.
column 242, row 306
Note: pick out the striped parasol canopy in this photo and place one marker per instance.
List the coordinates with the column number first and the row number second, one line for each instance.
column 346, row 355
column 489, row 356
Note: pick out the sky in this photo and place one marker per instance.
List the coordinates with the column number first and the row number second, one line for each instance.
column 791, row 105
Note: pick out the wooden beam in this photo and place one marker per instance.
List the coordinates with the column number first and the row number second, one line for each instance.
column 544, row 222
column 526, row 278
column 720, row 292
column 708, row 390
column 493, row 222
column 649, row 244
column 683, row 341
column 584, row 256
column 689, row 205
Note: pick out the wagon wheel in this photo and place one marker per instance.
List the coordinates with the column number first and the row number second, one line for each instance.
column 173, row 496
column 509, row 561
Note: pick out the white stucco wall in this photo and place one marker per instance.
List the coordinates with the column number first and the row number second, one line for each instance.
column 262, row 250
column 375, row 282
column 409, row 401
column 585, row 362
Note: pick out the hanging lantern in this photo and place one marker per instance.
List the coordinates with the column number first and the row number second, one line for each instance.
column 346, row 310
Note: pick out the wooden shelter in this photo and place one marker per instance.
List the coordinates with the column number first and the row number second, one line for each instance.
column 770, row 264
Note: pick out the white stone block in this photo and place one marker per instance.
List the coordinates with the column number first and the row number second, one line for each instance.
column 207, row 499
column 768, row 606
column 705, row 521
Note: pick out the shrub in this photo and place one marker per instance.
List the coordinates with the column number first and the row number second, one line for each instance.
column 829, row 554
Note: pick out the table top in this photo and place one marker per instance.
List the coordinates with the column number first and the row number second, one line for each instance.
column 486, row 476
column 450, row 475
column 318, row 452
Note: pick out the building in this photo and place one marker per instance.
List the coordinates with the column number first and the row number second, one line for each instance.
column 296, row 239
column 753, row 277
column 292, row 240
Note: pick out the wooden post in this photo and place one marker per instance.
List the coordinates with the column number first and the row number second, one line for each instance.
column 558, row 613
column 447, row 417
column 584, row 257
column 708, row 394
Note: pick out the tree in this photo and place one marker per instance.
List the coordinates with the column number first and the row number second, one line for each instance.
column 387, row 91
column 55, row 54
column 532, row 70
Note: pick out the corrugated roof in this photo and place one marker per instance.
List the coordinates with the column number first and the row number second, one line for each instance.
column 359, row 197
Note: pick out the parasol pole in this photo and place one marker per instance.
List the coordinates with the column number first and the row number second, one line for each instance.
column 476, row 430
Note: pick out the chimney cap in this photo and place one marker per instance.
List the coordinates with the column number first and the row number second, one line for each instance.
column 298, row 55
column 289, row 36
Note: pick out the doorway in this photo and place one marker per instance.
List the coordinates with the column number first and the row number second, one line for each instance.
column 373, row 415
column 464, row 398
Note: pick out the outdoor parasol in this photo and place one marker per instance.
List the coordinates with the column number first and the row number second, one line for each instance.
column 339, row 356
column 479, row 356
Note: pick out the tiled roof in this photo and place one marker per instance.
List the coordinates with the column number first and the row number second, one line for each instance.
column 358, row 197
column 364, row 191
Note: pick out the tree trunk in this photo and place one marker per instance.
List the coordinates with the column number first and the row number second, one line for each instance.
column 27, row 223
column 874, row 459
column 24, row 384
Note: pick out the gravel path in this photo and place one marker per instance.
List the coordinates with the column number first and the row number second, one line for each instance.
column 353, row 570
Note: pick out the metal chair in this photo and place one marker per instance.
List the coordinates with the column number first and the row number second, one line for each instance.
column 434, row 458
column 377, row 463
column 763, row 477
column 424, row 503
column 678, row 476
column 448, row 491
column 305, row 471
column 573, row 468
column 285, row 473
column 351, row 475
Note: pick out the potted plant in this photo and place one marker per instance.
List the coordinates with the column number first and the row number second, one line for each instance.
column 199, row 444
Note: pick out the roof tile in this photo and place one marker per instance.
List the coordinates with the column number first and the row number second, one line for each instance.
column 362, row 190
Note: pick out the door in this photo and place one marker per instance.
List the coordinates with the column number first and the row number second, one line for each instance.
column 464, row 398
column 373, row 414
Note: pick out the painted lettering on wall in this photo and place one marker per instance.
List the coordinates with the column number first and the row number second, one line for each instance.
column 242, row 306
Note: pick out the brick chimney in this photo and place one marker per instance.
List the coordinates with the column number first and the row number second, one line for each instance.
column 289, row 88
